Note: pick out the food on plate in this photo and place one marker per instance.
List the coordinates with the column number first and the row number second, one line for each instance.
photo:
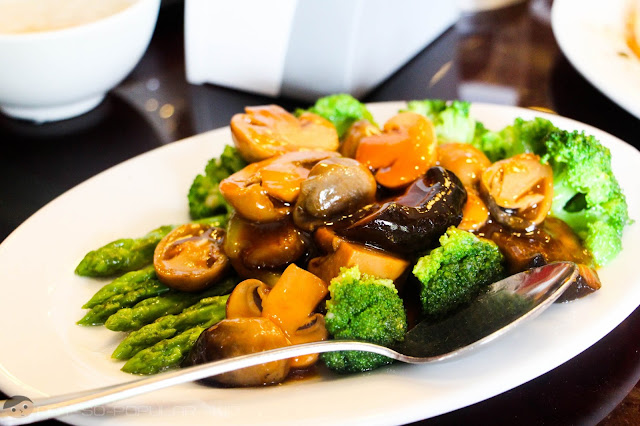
column 129, row 282
column 123, row 255
column 404, row 150
column 341, row 253
column 291, row 305
column 467, row 163
column 263, row 251
column 332, row 228
column 129, row 254
column 264, row 131
column 207, row 311
column 165, row 354
column 587, row 195
column 358, row 130
column 518, row 191
column 264, row 191
column 261, row 318
column 366, row 308
column 451, row 119
column 334, row 189
column 190, row 258
column 205, row 199
column 413, row 220
column 456, row 272
column 132, row 288
column 172, row 302
column 341, row 110
column 241, row 336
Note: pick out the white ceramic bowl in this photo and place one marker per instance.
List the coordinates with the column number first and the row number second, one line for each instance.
column 54, row 75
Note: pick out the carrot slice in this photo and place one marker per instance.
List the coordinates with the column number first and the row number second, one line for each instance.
column 402, row 153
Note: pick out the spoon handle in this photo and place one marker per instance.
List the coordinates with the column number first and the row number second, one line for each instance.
column 57, row 406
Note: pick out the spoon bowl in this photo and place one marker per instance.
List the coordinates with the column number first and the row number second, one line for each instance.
column 502, row 307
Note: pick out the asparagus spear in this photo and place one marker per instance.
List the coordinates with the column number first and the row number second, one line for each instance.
column 99, row 313
column 126, row 254
column 121, row 285
column 129, row 254
column 129, row 319
column 208, row 311
column 165, row 354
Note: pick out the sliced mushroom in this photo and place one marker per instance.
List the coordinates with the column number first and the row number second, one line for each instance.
column 241, row 336
column 346, row 254
column 265, row 131
column 262, row 251
column 413, row 221
column 402, row 153
column 335, row 187
column 358, row 130
column 190, row 257
column 518, row 191
column 246, row 299
column 263, row 192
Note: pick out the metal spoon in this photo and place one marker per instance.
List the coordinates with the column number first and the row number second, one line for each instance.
column 506, row 304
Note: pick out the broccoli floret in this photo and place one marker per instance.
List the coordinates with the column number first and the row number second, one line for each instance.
column 451, row 119
column 455, row 273
column 366, row 308
column 522, row 136
column 204, row 196
column 586, row 194
column 342, row 110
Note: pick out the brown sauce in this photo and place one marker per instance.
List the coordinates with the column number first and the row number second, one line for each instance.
column 552, row 241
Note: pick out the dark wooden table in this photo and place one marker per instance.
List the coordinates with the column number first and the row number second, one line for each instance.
column 507, row 56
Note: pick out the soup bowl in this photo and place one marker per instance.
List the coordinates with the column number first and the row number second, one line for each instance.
column 59, row 74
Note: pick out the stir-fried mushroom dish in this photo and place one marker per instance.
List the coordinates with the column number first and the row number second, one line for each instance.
column 321, row 224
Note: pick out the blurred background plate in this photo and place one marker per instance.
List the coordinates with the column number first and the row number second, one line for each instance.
column 591, row 34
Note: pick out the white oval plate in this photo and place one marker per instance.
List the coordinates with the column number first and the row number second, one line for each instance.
column 45, row 353
column 591, row 35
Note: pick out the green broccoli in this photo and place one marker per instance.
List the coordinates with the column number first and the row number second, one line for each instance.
column 457, row 271
column 586, row 194
column 520, row 137
column 342, row 110
column 366, row 308
column 451, row 119
column 204, row 196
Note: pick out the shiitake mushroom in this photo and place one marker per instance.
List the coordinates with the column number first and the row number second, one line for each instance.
column 241, row 336
column 413, row 221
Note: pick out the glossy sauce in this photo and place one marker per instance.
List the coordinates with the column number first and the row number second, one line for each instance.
column 552, row 241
